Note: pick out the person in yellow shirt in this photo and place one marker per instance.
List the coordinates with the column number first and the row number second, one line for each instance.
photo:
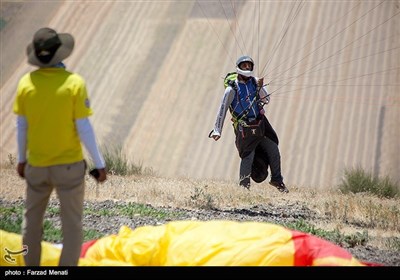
column 52, row 108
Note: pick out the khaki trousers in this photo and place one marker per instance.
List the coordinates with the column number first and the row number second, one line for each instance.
column 68, row 181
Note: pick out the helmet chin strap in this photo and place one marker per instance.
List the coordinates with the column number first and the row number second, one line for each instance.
column 244, row 73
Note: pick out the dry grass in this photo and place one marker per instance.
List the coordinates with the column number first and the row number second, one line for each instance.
column 348, row 213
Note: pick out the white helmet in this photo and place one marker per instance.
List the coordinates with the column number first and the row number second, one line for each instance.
column 246, row 73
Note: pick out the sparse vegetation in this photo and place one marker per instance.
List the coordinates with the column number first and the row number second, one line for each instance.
column 134, row 210
column 12, row 160
column 357, row 180
column 11, row 221
column 201, row 199
column 11, row 218
column 393, row 243
column 118, row 164
column 343, row 216
column 346, row 240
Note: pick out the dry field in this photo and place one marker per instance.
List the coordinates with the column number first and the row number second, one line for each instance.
column 327, row 210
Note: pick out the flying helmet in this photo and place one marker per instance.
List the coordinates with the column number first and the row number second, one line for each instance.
column 246, row 73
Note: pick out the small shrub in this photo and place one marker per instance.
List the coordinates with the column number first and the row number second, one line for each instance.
column 12, row 160
column 117, row 163
column 357, row 180
column 201, row 199
column 393, row 243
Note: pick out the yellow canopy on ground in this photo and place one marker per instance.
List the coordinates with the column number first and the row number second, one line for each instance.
column 198, row 243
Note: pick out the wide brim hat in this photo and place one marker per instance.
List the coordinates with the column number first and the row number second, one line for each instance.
column 56, row 46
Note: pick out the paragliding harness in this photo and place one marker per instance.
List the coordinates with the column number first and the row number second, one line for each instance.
column 261, row 162
column 248, row 127
column 247, row 130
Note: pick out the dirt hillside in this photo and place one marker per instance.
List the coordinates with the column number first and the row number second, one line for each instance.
column 154, row 72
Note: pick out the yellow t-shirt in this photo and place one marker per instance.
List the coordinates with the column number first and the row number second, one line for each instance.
column 51, row 99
